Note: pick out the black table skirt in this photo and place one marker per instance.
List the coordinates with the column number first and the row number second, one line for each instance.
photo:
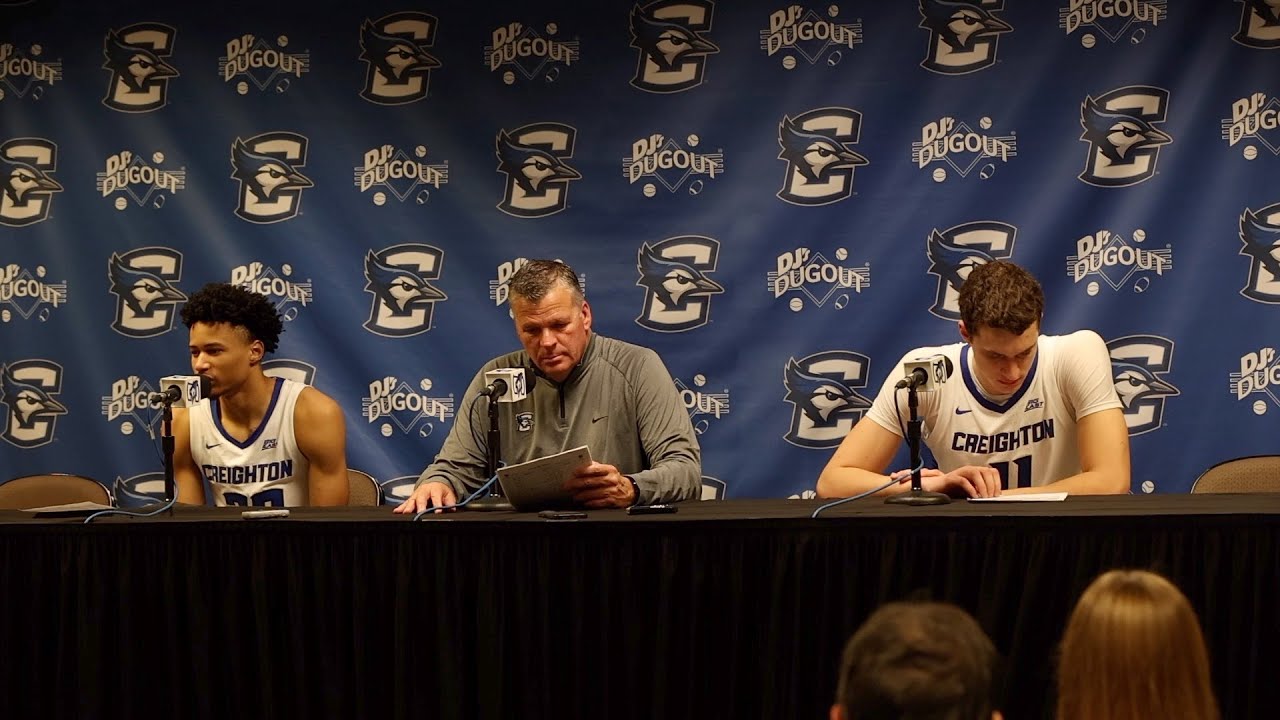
column 727, row 609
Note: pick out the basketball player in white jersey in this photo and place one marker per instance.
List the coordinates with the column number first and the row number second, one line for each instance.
column 1023, row 412
column 257, row 440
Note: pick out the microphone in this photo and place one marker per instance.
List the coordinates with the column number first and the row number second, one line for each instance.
column 926, row 373
column 182, row 390
column 508, row 385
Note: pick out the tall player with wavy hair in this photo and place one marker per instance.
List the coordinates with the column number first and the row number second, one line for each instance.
column 257, row 440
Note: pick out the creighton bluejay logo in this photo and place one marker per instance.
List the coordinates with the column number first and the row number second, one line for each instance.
column 956, row 251
column 1259, row 24
column 139, row 490
column 1260, row 233
column 271, row 184
column 820, row 161
column 1138, row 366
column 136, row 56
column 23, row 74
column 400, row 279
column 143, row 282
column 395, row 48
column 27, row 390
column 674, row 274
column 823, row 390
column 26, row 180
column 963, row 36
column 533, row 159
column 669, row 37
column 1124, row 142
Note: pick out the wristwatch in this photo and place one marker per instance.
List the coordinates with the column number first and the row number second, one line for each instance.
column 636, row 487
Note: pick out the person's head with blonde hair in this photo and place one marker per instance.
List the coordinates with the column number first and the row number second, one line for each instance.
column 1133, row 649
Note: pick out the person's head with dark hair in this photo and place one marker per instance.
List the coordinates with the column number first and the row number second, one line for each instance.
column 1133, row 649
column 917, row 661
column 231, row 330
column 1001, row 305
column 553, row 319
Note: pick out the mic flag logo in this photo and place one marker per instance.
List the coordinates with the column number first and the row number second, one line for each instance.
column 136, row 56
column 26, row 180
column 1124, row 142
column 533, row 159
column 395, row 49
column 668, row 34
column 23, row 74
column 1260, row 233
column 817, row 146
column 675, row 276
column 823, row 391
column 271, row 185
column 27, row 391
column 146, row 298
column 1138, row 366
column 956, row 251
column 399, row 278
column 1259, row 25
column 963, row 37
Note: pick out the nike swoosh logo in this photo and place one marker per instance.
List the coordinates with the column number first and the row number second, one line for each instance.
column 207, row 445
column 963, row 412
column 596, row 420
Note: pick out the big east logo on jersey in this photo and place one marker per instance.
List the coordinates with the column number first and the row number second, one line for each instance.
column 27, row 390
column 404, row 299
column 271, row 185
column 674, row 275
column 822, row 389
column 673, row 52
column 1112, row 18
column 26, row 292
column 962, row 36
column 1120, row 127
column 533, row 159
column 23, row 74
column 1138, row 364
column 1260, row 233
column 143, row 282
column 395, row 49
column 820, row 164
column 26, row 181
column 136, row 56
column 955, row 252
column 1259, row 24
column 256, row 59
column 1257, row 117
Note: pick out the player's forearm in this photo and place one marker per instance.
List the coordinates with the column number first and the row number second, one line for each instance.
column 1096, row 482
column 837, row 482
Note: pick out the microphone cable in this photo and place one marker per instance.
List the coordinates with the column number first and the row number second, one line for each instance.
column 133, row 513
column 472, row 496
column 893, row 480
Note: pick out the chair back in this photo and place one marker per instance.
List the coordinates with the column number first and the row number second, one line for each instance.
column 364, row 490
column 1254, row 474
column 33, row 491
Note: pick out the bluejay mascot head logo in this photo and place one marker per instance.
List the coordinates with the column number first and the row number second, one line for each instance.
column 1260, row 233
column 26, row 186
column 139, row 490
column 140, row 74
column 395, row 50
column 678, row 290
column 1259, row 24
column 26, row 391
column 1123, row 141
column 673, row 51
column 955, row 252
column 1138, row 363
column 822, row 389
column 962, row 35
column 146, row 298
column 271, row 185
column 820, row 165
column 404, row 299
column 533, row 159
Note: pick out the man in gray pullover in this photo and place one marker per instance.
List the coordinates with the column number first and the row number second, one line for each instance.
column 614, row 397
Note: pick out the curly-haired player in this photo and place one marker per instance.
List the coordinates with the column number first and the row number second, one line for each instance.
column 257, row 440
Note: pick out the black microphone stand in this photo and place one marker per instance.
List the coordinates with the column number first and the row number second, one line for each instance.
column 917, row 494
column 494, row 500
column 166, row 443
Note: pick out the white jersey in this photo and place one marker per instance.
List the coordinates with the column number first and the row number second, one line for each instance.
column 1029, row 436
column 267, row 469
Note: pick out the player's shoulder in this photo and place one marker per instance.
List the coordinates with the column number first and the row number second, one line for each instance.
column 1080, row 341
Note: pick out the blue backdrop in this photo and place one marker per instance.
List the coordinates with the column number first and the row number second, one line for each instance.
column 822, row 175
